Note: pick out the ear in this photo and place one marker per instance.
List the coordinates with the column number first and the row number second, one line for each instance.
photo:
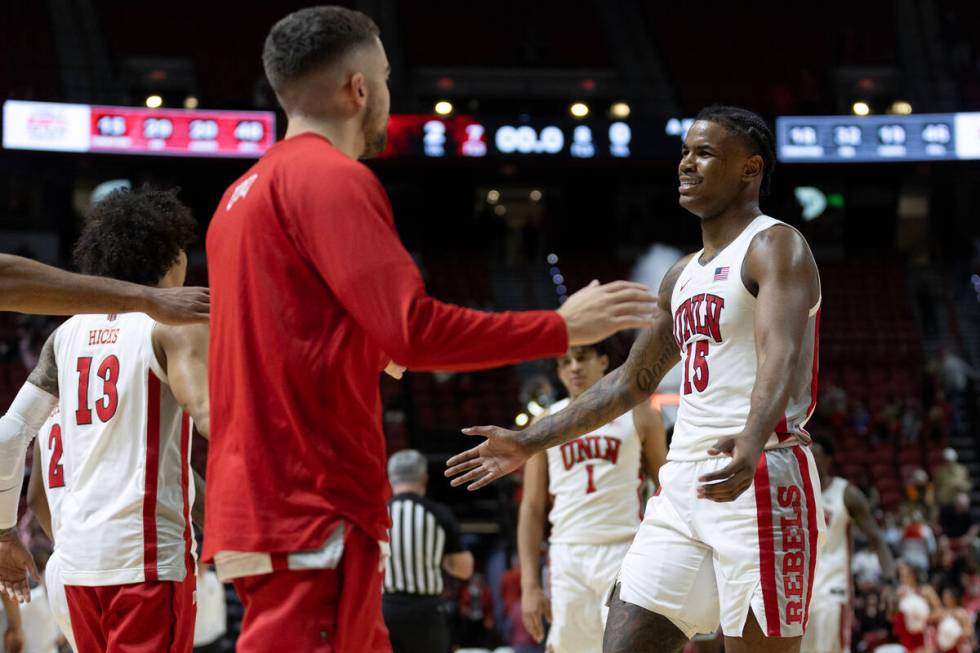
column 358, row 90
column 754, row 167
column 605, row 363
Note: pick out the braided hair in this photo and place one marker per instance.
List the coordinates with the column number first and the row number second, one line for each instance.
column 754, row 132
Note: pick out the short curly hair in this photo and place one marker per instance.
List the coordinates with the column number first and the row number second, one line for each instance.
column 313, row 37
column 135, row 235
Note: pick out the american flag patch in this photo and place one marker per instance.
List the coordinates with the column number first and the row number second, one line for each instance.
column 721, row 273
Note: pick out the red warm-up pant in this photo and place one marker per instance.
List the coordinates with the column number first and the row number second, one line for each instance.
column 154, row 617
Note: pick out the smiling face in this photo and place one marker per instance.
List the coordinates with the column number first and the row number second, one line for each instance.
column 716, row 169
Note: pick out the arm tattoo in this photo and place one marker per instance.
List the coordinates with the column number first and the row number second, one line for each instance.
column 600, row 404
column 652, row 355
column 648, row 376
column 45, row 373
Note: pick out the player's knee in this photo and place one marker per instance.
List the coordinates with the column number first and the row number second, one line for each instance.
column 632, row 629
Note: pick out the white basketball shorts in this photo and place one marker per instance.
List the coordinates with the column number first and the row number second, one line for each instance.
column 701, row 563
column 829, row 630
column 54, row 587
column 582, row 576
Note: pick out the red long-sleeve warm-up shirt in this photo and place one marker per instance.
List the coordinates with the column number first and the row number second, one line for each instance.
column 311, row 294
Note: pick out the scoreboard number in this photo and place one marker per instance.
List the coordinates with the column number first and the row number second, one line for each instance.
column 111, row 126
column 203, row 130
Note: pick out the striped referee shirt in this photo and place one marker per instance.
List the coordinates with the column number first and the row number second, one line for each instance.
column 422, row 532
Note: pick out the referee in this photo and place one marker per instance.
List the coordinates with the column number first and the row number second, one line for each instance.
column 424, row 541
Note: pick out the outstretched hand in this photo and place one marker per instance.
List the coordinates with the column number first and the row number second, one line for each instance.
column 499, row 455
column 729, row 482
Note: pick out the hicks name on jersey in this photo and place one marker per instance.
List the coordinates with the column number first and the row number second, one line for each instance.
column 102, row 337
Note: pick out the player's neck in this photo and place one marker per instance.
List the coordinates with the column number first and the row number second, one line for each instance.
column 719, row 231
column 342, row 135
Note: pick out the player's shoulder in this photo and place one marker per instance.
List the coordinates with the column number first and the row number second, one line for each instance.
column 674, row 273
column 775, row 235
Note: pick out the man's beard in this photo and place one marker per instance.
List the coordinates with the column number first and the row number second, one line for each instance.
column 375, row 139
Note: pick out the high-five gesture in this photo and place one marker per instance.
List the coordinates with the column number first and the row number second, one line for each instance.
column 598, row 311
column 499, row 455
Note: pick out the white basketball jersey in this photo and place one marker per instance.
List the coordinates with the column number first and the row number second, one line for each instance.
column 832, row 578
column 714, row 327
column 125, row 513
column 595, row 481
column 51, row 447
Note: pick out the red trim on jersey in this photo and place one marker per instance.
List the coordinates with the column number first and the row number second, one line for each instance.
column 815, row 374
column 812, row 528
column 185, row 442
column 151, row 478
column 767, row 552
column 842, row 628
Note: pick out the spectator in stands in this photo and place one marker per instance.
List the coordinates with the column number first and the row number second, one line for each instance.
column 956, row 373
column 915, row 602
column 952, row 478
column 920, row 498
column 918, row 543
column 860, row 418
column 954, row 625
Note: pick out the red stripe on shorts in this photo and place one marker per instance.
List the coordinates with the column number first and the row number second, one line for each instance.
column 811, row 525
column 151, row 478
column 767, row 552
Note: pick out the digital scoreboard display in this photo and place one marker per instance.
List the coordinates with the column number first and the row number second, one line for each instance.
column 845, row 139
column 461, row 136
column 58, row 127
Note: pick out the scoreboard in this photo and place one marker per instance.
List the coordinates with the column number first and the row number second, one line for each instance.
column 60, row 127
column 844, row 139
column 463, row 136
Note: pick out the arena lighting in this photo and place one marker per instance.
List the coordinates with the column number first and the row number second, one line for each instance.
column 579, row 110
column 500, row 209
column 901, row 107
column 535, row 408
column 190, row 102
column 444, row 107
column 154, row 102
column 535, row 195
column 620, row 110
column 522, row 419
column 861, row 109
column 493, row 197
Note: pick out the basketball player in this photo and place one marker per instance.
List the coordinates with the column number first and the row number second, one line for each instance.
column 121, row 382
column 732, row 536
column 830, row 614
column 313, row 295
column 27, row 286
column 596, row 482
column 45, row 491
